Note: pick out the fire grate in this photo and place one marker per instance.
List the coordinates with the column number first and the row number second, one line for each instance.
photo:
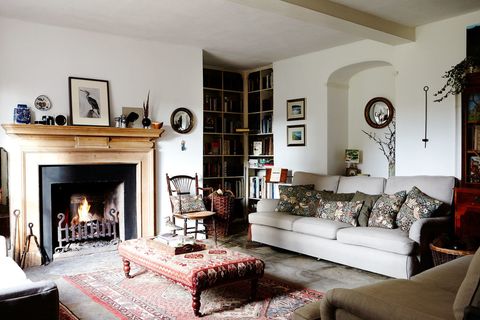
column 83, row 231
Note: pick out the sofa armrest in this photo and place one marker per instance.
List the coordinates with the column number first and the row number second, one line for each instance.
column 3, row 246
column 267, row 205
column 352, row 304
column 423, row 232
column 35, row 300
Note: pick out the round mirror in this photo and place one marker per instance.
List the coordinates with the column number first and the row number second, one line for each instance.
column 181, row 120
column 379, row 112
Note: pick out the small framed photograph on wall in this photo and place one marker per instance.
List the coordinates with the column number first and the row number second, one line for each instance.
column 89, row 102
column 296, row 109
column 296, row 135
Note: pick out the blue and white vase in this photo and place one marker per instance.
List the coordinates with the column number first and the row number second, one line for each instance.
column 21, row 114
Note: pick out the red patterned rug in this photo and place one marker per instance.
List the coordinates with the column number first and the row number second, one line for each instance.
column 149, row 296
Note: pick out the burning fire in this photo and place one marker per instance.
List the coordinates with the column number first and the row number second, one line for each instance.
column 83, row 211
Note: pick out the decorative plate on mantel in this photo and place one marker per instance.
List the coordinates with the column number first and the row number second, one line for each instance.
column 43, row 103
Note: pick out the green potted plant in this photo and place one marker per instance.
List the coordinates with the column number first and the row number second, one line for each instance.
column 457, row 77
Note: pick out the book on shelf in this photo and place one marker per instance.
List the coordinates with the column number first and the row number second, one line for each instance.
column 276, row 174
column 257, row 148
column 476, row 138
column 475, row 169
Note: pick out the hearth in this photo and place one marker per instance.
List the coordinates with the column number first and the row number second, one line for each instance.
column 87, row 203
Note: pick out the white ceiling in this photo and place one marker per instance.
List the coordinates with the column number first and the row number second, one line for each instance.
column 244, row 34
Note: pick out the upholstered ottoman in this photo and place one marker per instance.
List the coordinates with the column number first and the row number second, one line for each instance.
column 196, row 271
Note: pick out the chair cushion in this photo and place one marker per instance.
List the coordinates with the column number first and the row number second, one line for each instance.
column 395, row 241
column 469, row 286
column 290, row 195
column 417, row 206
column 385, row 210
column 273, row 219
column 319, row 227
column 189, row 203
column 368, row 202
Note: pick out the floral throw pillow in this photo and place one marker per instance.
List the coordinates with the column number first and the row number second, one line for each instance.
column 385, row 210
column 368, row 202
column 290, row 195
column 418, row 205
column 308, row 204
column 190, row 203
column 343, row 211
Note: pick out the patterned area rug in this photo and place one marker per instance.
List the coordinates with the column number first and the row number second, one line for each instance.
column 149, row 296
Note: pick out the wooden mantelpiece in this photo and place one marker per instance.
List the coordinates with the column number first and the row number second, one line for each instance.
column 40, row 145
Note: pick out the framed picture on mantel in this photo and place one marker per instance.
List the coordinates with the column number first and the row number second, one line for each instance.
column 89, row 102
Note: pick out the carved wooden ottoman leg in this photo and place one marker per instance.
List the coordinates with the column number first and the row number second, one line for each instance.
column 196, row 303
column 253, row 292
column 126, row 268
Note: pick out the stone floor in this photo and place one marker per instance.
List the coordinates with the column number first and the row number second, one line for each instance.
column 287, row 266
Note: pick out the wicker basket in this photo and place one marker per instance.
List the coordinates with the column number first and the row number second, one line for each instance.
column 440, row 254
column 223, row 206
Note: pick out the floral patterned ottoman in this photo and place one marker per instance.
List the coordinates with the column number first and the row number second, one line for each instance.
column 195, row 271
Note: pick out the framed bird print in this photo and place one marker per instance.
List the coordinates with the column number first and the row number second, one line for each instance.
column 89, row 102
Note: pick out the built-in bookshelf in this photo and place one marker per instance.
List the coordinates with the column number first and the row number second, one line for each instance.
column 223, row 146
column 260, row 137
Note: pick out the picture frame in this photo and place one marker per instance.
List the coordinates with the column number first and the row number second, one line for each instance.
column 89, row 102
column 296, row 109
column 135, row 122
column 296, row 135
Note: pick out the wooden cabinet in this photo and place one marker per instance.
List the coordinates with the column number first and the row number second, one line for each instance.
column 467, row 197
column 467, row 213
column 223, row 146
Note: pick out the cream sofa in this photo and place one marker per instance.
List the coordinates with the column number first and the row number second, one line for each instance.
column 391, row 252
column 448, row 291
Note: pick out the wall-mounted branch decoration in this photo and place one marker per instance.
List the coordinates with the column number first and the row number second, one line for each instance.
column 387, row 145
column 425, row 139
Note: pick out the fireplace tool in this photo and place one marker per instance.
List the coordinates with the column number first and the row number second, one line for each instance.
column 26, row 248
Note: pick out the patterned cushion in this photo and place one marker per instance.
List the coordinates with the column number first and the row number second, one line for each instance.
column 190, row 203
column 418, row 205
column 290, row 195
column 343, row 211
column 307, row 206
column 368, row 202
column 385, row 210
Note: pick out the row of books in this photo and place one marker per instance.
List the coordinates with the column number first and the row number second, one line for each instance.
column 259, row 188
column 212, row 147
column 260, row 163
column 267, row 124
column 262, row 146
column 232, row 104
column 236, row 186
column 211, row 102
column 231, row 124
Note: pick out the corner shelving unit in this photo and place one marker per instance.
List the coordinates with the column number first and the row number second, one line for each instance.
column 260, row 137
column 223, row 147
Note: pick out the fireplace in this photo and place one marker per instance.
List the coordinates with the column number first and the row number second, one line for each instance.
column 87, row 196
column 41, row 147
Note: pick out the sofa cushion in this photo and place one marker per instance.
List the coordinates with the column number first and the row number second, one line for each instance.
column 438, row 187
column 417, row 206
column 469, row 286
column 370, row 185
column 343, row 211
column 385, row 210
column 319, row 227
column 320, row 181
column 290, row 195
column 11, row 274
column 368, row 202
column 395, row 241
column 273, row 219
column 307, row 206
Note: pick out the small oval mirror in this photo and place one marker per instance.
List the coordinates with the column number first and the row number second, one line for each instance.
column 379, row 112
column 181, row 120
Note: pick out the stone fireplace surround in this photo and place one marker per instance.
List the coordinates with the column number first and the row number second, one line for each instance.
column 40, row 145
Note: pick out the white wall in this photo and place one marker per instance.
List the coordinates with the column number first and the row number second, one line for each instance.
column 363, row 86
column 38, row 59
column 439, row 46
